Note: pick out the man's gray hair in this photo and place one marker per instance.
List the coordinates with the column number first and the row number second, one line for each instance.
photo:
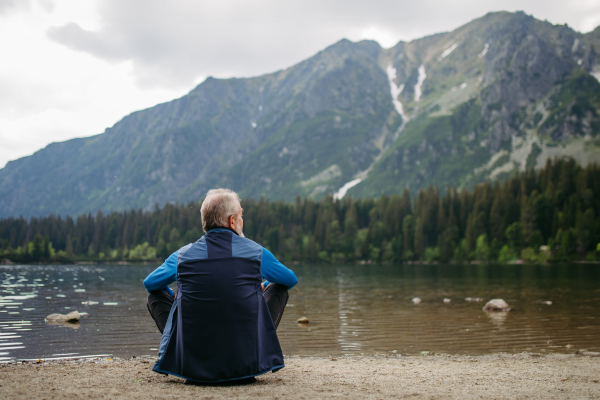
column 216, row 208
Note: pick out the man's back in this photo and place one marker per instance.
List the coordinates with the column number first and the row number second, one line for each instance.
column 219, row 327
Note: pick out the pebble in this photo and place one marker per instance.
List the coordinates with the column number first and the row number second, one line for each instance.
column 303, row 320
column 416, row 300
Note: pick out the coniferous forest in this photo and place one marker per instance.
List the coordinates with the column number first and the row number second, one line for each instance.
column 552, row 214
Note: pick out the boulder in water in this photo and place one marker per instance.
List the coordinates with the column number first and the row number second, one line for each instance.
column 66, row 324
column 496, row 305
column 73, row 316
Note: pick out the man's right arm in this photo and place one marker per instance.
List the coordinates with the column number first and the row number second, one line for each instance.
column 162, row 276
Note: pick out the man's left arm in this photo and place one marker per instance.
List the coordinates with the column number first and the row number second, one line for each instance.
column 275, row 272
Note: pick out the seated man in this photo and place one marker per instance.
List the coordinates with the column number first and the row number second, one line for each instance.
column 221, row 326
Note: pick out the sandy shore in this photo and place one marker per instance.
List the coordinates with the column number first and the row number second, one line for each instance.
column 415, row 377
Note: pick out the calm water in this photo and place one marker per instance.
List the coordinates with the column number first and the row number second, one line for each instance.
column 352, row 310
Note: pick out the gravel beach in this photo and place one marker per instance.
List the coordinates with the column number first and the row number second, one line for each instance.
column 499, row 376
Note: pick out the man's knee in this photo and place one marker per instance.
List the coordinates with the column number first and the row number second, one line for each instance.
column 159, row 305
column 159, row 296
column 276, row 296
column 277, row 290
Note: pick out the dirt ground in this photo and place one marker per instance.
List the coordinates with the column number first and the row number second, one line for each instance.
column 416, row 377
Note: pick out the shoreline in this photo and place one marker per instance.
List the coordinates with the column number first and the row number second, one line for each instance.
column 530, row 375
column 159, row 261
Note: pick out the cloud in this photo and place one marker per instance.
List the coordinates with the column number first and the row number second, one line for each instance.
column 174, row 43
column 71, row 67
column 77, row 38
column 7, row 6
column 50, row 93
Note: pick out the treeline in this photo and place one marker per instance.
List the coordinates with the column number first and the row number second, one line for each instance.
column 551, row 214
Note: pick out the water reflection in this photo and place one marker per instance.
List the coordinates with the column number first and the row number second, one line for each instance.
column 497, row 317
column 28, row 294
column 352, row 310
column 377, row 309
column 349, row 327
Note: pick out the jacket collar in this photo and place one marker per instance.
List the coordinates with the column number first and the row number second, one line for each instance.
column 223, row 229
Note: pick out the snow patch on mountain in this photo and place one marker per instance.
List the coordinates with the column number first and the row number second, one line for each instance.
column 324, row 176
column 344, row 189
column 447, row 52
column 484, row 51
column 492, row 161
column 395, row 91
column 419, row 85
column 575, row 46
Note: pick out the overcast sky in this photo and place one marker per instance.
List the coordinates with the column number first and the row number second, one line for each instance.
column 71, row 68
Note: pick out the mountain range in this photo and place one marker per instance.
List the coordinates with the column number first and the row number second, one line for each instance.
column 503, row 93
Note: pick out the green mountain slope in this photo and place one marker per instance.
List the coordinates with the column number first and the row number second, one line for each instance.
column 500, row 94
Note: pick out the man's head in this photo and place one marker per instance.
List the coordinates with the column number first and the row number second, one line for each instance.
column 222, row 209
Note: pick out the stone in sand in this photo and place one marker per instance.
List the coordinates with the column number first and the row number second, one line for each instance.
column 416, row 300
column 446, row 300
column 303, row 320
column 73, row 316
column 496, row 305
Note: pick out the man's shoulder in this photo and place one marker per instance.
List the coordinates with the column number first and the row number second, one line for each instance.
column 200, row 242
column 196, row 249
column 246, row 248
column 246, row 240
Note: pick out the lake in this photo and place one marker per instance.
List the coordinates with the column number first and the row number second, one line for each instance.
column 353, row 310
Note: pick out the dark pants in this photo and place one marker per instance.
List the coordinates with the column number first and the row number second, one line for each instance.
column 160, row 303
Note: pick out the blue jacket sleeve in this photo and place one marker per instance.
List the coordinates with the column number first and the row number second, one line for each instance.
column 274, row 271
column 162, row 276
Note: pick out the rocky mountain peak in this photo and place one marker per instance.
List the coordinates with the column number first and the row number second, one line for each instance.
column 500, row 94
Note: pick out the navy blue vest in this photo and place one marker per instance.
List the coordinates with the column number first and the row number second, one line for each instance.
column 219, row 328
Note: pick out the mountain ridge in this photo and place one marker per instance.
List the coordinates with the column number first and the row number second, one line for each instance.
column 494, row 96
